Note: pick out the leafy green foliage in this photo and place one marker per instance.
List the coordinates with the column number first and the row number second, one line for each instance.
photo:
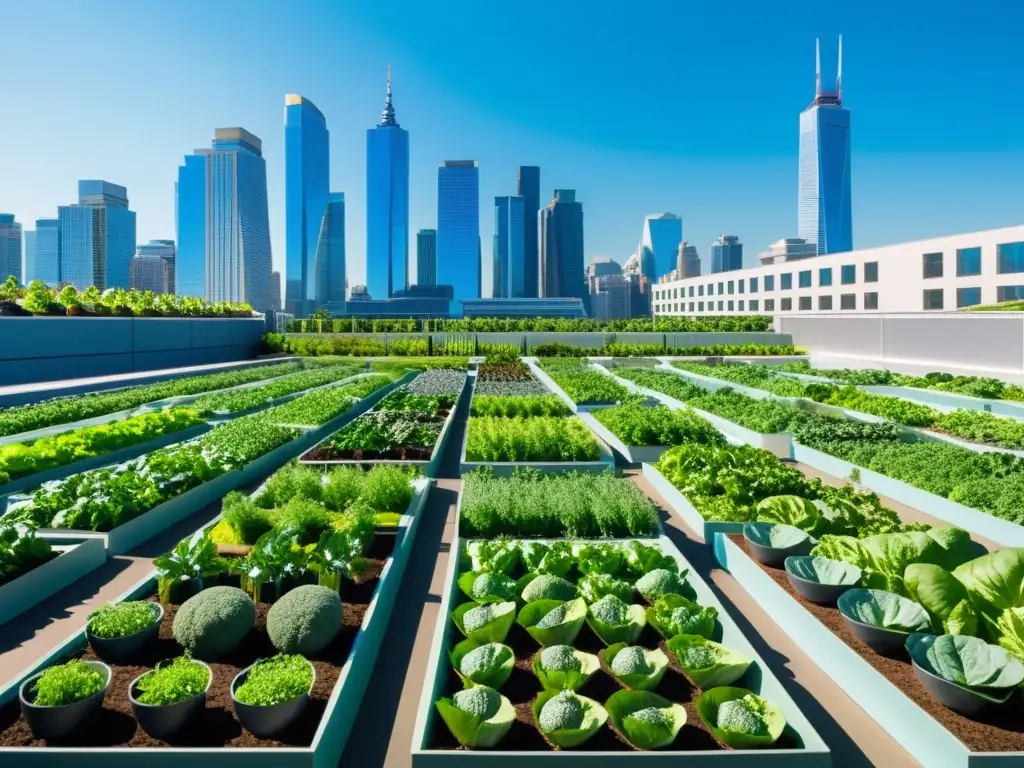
column 253, row 397
column 740, row 718
column 885, row 610
column 275, row 681
column 567, row 719
column 318, row 407
column 487, row 664
column 712, row 323
column 532, row 504
column 647, row 720
column 193, row 560
column 539, row 438
column 755, row 376
column 968, row 662
column 122, row 619
column 518, row 406
column 170, row 683
column 478, row 717
column 636, row 424
column 67, row 683
column 21, row 550
column 675, row 615
column 587, row 387
column 707, row 663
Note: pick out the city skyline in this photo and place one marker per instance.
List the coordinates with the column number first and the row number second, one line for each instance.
column 743, row 179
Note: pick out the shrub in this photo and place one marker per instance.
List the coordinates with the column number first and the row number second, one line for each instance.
column 305, row 620
column 214, row 622
column 123, row 619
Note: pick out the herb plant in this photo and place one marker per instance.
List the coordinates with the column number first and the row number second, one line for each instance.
column 276, row 680
column 636, row 424
column 252, row 397
column 115, row 620
column 540, row 438
column 170, row 683
column 67, row 683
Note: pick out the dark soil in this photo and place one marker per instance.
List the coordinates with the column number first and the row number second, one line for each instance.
column 523, row 687
column 408, row 453
column 1000, row 731
column 115, row 726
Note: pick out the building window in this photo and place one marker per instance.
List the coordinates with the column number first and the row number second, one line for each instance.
column 731, row 286
column 787, row 281
column 691, row 306
column 769, row 305
column 787, row 305
column 825, row 303
column 675, row 307
column 871, row 300
column 805, row 278
column 932, row 263
column 700, row 290
column 721, row 306
column 1009, row 258
column 731, row 308
column 700, row 306
column 1009, row 293
column 741, row 305
column 753, row 305
column 721, row 288
column 805, row 303
column 932, row 299
column 753, row 285
column 968, row 262
column 968, row 297
column 691, row 291
column 740, row 286
column 849, row 276
column 711, row 289
column 848, row 301
column 825, row 276
column 769, row 282
column 871, row 272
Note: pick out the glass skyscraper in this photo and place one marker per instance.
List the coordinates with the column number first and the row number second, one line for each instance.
column 97, row 237
column 10, row 247
column 42, row 252
column 223, row 226
column 163, row 249
column 726, row 254
column 528, row 187
column 458, row 228
column 560, row 235
column 330, row 256
column 387, row 204
column 306, row 184
column 509, row 248
column 426, row 257
column 659, row 244
column 824, row 207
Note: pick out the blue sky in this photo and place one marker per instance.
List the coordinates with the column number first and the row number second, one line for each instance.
column 642, row 107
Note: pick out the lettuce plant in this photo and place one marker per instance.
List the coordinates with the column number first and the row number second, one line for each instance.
column 487, row 586
column 567, row 719
column 967, row 662
column 485, row 622
column 21, row 550
column 499, row 555
column 555, row 558
column 195, row 559
column 553, row 622
column 546, row 587
column 271, row 558
column 599, row 558
column 561, row 667
column 674, row 615
column 615, row 621
column 740, row 718
column 707, row 663
column 276, row 680
column 884, row 610
column 662, row 581
column 598, row 585
column 487, row 664
column 636, row 667
column 647, row 720
column 478, row 717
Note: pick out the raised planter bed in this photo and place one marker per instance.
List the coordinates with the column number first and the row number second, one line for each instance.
column 214, row 737
column 1009, row 408
column 680, row 506
column 634, row 454
column 433, row 746
column 548, row 382
column 220, row 416
column 78, row 556
column 886, row 689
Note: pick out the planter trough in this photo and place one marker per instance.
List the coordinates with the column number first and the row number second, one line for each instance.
column 680, row 506
column 78, row 556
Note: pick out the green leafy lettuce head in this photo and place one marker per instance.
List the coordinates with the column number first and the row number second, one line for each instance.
column 791, row 510
column 740, row 718
column 500, row 555
column 556, row 559
column 567, row 719
column 993, row 582
column 553, row 622
column 597, row 585
column 599, row 558
column 487, row 586
column 647, row 720
column 636, row 667
column 661, row 581
column 707, row 663
column 674, row 615
column 488, row 664
column 616, row 622
column 884, row 610
column 486, row 622
column 968, row 662
column 943, row 596
column 478, row 717
column 561, row 667
column 643, row 558
column 548, row 587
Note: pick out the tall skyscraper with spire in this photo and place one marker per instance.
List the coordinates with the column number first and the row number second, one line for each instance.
column 824, row 206
column 387, row 204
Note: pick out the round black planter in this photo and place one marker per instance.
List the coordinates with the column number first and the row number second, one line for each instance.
column 120, row 650
column 959, row 699
column 886, row 642
column 775, row 556
column 815, row 591
column 163, row 721
column 54, row 723
column 267, row 721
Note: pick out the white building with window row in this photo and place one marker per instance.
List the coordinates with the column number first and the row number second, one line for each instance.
column 940, row 274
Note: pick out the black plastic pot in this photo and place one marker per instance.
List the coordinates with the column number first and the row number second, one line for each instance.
column 166, row 720
column 267, row 721
column 959, row 699
column 887, row 642
column 120, row 650
column 54, row 723
column 775, row 556
column 815, row 591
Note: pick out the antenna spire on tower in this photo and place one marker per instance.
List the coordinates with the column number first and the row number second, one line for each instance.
column 817, row 67
column 839, row 72
column 387, row 115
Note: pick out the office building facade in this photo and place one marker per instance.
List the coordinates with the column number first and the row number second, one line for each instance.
column 659, row 244
column 528, row 188
column 275, row 293
column 509, row 248
column 726, row 254
column 163, row 249
column 458, row 227
column 306, row 183
column 330, row 255
column 387, row 204
column 687, row 261
column 97, row 237
column 42, row 252
column 150, row 273
column 824, row 207
column 223, row 222
column 426, row 257
column 560, row 239
column 10, row 248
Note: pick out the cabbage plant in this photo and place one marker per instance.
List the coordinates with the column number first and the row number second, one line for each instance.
column 707, row 663
column 487, row 664
column 485, row 622
column 740, row 718
column 487, row 586
column 641, row 559
column 967, row 662
column 884, row 610
column 662, row 581
column 646, row 720
column 615, row 621
column 567, row 719
column 477, row 717
column 674, row 615
column 544, row 586
column 636, row 667
column 560, row 667
column 553, row 622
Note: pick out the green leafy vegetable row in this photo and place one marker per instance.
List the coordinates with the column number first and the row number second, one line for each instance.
column 635, row 423
column 251, row 397
column 537, row 438
column 714, row 323
column 558, row 349
column 316, row 408
column 518, row 406
column 21, row 550
column 585, row 386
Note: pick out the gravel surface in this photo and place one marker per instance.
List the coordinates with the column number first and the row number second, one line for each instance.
column 440, row 381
